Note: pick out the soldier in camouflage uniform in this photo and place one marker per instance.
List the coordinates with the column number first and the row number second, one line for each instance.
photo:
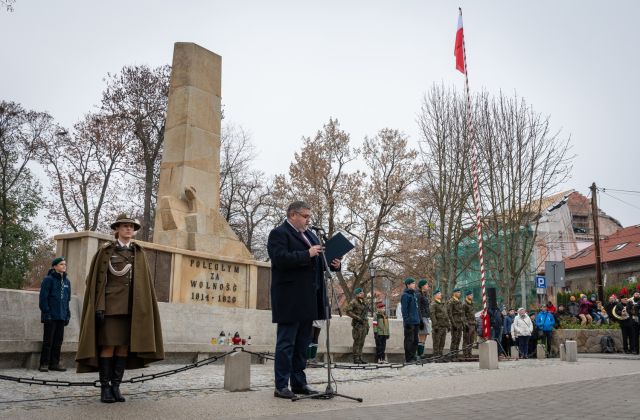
column 456, row 316
column 469, row 332
column 357, row 310
column 439, row 321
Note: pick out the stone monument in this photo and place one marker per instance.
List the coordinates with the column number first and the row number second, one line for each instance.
column 195, row 256
column 187, row 215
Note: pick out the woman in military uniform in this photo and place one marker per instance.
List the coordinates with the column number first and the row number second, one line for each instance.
column 120, row 320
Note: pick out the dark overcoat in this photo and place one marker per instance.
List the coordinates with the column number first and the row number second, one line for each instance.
column 55, row 293
column 146, row 344
column 297, row 290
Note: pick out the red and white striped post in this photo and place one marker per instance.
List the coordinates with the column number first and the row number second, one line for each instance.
column 461, row 65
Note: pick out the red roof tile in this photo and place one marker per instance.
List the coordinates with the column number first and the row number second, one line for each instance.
column 622, row 245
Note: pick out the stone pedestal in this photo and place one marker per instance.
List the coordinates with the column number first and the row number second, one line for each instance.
column 488, row 355
column 515, row 353
column 540, row 351
column 237, row 372
column 571, row 351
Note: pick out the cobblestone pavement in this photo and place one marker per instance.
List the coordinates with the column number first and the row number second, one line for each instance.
column 199, row 393
column 562, row 401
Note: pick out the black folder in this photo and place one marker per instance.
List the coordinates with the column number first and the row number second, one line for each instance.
column 337, row 247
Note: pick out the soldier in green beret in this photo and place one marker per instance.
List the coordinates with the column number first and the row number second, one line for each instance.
column 469, row 331
column 440, row 322
column 456, row 315
column 357, row 311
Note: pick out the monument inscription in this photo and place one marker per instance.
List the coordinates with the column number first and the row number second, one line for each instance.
column 214, row 282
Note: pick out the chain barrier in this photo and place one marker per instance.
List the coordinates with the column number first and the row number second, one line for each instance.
column 212, row 359
column 133, row 380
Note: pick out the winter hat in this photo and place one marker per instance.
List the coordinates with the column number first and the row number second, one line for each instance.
column 421, row 283
column 456, row 290
column 408, row 281
column 380, row 305
column 357, row 290
column 468, row 292
column 437, row 291
column 57, row 261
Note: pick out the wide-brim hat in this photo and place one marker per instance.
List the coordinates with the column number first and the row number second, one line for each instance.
column 123, row 218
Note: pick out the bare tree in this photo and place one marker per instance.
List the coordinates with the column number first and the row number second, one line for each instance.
column 85, row 169
column 318, row 174
column 44, row 252
column 445, row 192
column 253, row 211
column 7, row 4
column 376, row 201
column 522, row 162
column 237, row 153
column 137, row 98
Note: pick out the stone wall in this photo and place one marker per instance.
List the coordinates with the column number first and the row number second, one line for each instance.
column 187, row 330
column 588, row 340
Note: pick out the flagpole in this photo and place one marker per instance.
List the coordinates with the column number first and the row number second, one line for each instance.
column 476, row 189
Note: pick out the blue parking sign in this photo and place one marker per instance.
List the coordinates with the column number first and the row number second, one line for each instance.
column 541, row 282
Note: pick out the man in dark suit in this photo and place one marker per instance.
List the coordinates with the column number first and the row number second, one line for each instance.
column 297, row 296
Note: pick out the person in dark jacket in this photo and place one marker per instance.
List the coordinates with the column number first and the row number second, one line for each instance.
column 297, row 296
column 507, row 339
column 620, row 313
column 633, row 309
column 423, row 304
column 55, row 293
column 573, row 308
column 410, row 319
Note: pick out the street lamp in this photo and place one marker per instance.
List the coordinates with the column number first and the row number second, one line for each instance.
column 372, row 274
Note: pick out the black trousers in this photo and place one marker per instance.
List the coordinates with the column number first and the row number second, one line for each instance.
column 51, row 343
column 410, row 342
column 626, row 331
column 635, row 337
column 381, row 345
column 291, row 354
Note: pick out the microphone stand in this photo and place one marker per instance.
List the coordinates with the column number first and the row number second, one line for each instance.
column 327, row 279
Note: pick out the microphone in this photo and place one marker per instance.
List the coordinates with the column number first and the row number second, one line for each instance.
column 316, row 228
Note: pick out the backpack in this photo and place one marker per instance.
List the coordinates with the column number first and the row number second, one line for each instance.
column 607, row 345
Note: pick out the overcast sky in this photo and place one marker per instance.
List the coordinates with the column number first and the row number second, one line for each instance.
column 290, row 65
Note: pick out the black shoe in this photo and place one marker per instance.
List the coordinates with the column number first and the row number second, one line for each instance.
column 284, row 393
column 305, row 390
column 43, row 368
column 57, row 368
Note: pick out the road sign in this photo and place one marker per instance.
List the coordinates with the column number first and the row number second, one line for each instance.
column 541, row 282
column 554, row 273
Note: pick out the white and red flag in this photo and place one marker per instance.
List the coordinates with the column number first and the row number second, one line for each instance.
column 458, row 50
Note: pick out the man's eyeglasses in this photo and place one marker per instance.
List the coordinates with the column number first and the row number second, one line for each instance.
column 305, row 216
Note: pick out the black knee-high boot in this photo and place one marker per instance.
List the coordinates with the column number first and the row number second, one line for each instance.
column 119, row 366
column 104, row 370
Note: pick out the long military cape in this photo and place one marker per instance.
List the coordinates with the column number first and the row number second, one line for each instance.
column 146, row 344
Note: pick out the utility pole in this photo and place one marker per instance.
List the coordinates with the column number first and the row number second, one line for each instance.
column 596, row 241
